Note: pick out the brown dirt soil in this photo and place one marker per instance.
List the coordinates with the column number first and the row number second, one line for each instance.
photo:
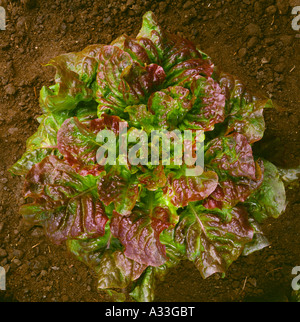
column 251, row 39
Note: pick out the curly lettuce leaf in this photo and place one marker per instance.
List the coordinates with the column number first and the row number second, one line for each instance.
column 41, row 144
column 119, row 187
column 213, row 238
column 75, row 73
column 181, row 189
column 105, row 256
column 151, row 30
column 239, row 175
column 121, row 81
column 259, row 240
column 229, row 192
column 231, row 155
column 64, row 203
column 244, row 110
column 77, row 142
column 208, row 105
column 153, row 179
column 165, row 109
column 169, row 106
column 139, row 232
column 183, row 61
column 140, row 117
column 143, row 289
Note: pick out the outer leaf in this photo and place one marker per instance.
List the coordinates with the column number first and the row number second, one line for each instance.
column 74, row 74
column 230, row 192
column 183, row 61
column 151, row 30
column 232, row 155
column 239, row 175
column 144, row 290
column 259, row 240
column 270, row 199
column 40, row 144
column 65, row 203
column 213, row 239
column 180, row 50
column 117, row 271
column 245, row 110
column 104, row 255
column 144, row 287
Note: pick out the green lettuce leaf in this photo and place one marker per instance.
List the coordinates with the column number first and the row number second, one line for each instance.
column 270, row 199
column 122, row 82
column 75, row 73
column 105, row 256
column 41, row 144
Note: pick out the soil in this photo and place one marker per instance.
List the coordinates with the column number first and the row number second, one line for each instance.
column 251, row 39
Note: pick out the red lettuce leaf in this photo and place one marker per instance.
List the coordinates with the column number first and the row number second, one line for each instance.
column 213, row 239
column 105, row 256
column 77, row 142
column 169, row 106
column 120, row 188
column 151, row 30
column 182, row 61
column 153, row 180
column 244, row 110
column 208, row 105
column 122, row 81
column 239, row 175
column 230, row 192
column 181, row 189
column 117, row 271
column 64, row 203
column 75, row 73
column 231, row 155
column 139, row 232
